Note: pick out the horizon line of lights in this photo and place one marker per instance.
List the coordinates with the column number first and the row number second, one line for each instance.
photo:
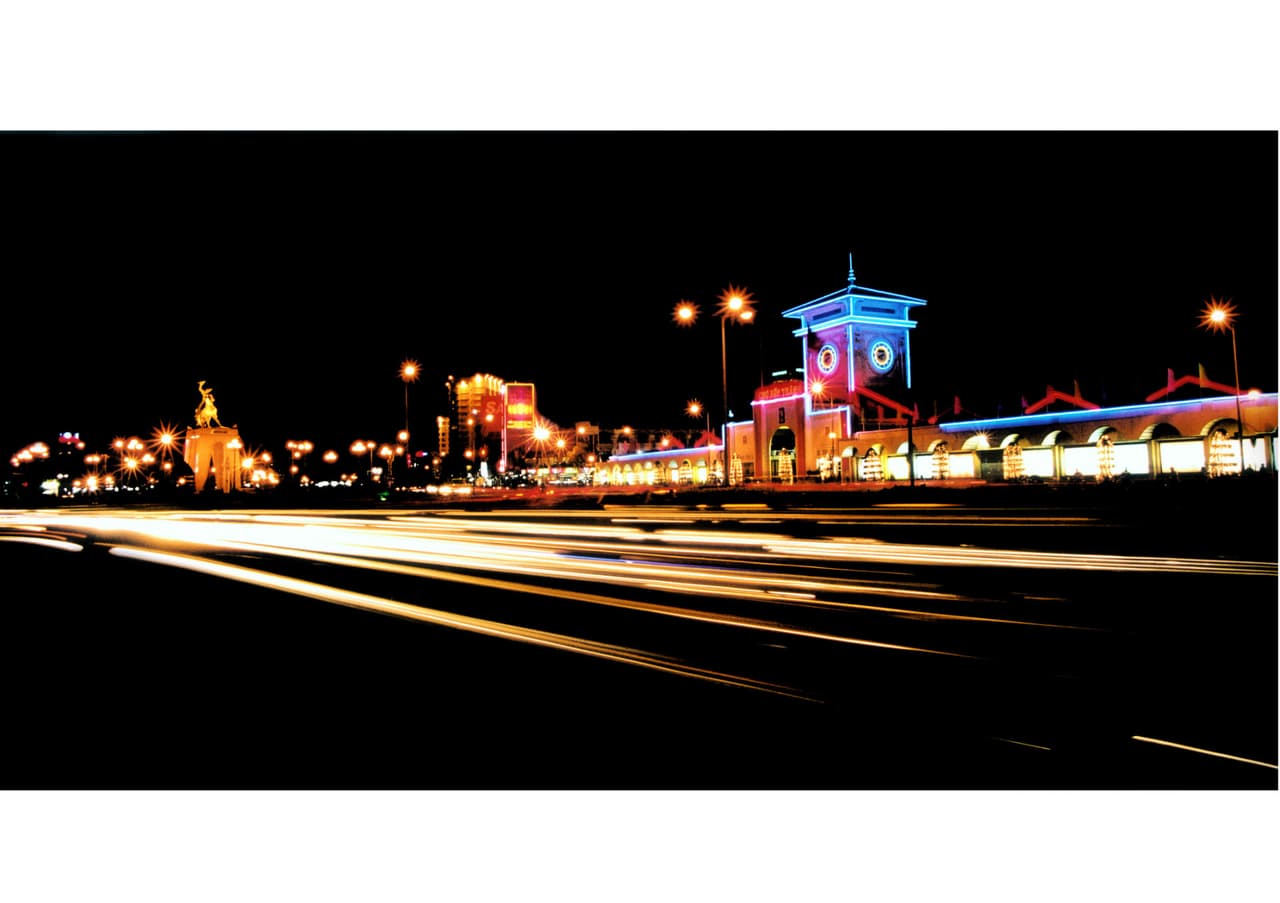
column 957, row 426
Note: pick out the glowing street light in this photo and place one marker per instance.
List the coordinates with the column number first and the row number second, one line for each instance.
column 541, row 436
column 299, row 449
column 163, row 441
column 735, row 305
column 409, row 371
column 359, row 447
column 695, row 409
column 1220, row 315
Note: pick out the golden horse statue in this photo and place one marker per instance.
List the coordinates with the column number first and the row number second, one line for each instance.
column 207, row 413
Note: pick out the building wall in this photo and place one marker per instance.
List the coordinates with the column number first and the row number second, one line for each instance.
column 778, row 408
column 1165, row 438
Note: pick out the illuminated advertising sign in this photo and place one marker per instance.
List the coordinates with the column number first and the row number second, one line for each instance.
column 785, row 388
column 521, row 412
column 520, row 406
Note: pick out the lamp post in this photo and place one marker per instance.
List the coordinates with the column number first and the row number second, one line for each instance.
column 694, row 409
column 359, row 447
column 1219, row 315
column 402, row 448
column 735, row 304
column 388, row 454
column 541, row 434
column 409, row 370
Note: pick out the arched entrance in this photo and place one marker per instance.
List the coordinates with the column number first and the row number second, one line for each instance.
column 782, row 440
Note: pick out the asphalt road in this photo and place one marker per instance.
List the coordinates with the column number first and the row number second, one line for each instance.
column 698, row 642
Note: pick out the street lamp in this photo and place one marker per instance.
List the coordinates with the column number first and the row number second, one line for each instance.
column 541, row 435
column 409, row 371
column 1217, row 317
column 359, row 447
column 388, row 454
column 735, row 305
column 693, row 409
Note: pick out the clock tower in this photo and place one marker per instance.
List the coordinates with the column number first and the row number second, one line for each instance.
column 857, row 346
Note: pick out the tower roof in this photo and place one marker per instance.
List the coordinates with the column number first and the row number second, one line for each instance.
column 855, row 303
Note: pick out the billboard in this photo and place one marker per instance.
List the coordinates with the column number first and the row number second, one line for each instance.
column 520, row 417
column 520, row 406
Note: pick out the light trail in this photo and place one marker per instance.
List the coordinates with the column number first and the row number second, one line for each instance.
column 975, row 557
column 352, row 544
column 1028, row 745
column 420, row 544
column 45, row 542
column 713, row 571
column 834, row 549
column 1206, row 752
column 587, row 552
column 714, row 618
column 399, row 609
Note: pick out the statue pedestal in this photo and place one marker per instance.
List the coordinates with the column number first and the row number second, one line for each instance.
column 216, row 448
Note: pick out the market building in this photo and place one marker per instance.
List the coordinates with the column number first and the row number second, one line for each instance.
column 847, row 420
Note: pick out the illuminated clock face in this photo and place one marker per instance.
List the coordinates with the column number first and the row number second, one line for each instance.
column 881, row 356
column 828, row 357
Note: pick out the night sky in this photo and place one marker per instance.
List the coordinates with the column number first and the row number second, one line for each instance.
column 293, row 272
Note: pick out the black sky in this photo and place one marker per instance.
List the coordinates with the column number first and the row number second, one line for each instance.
column 294, row 271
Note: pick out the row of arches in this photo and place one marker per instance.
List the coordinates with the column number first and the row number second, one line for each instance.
column 783, row 440
column 684, row 472
column 1218, row 452
column 1059, row 436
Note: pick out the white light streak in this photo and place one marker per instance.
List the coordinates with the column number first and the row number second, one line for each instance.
column 1207, row 752
column 60, row 544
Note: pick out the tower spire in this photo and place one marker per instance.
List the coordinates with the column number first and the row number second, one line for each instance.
column 851, row 278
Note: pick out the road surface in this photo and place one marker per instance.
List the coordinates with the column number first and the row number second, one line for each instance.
column 689, row 645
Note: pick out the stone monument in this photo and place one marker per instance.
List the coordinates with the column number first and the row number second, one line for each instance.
column 210, row 446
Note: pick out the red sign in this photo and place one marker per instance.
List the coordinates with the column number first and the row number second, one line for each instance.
column 782, row 389
column 520, row 406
